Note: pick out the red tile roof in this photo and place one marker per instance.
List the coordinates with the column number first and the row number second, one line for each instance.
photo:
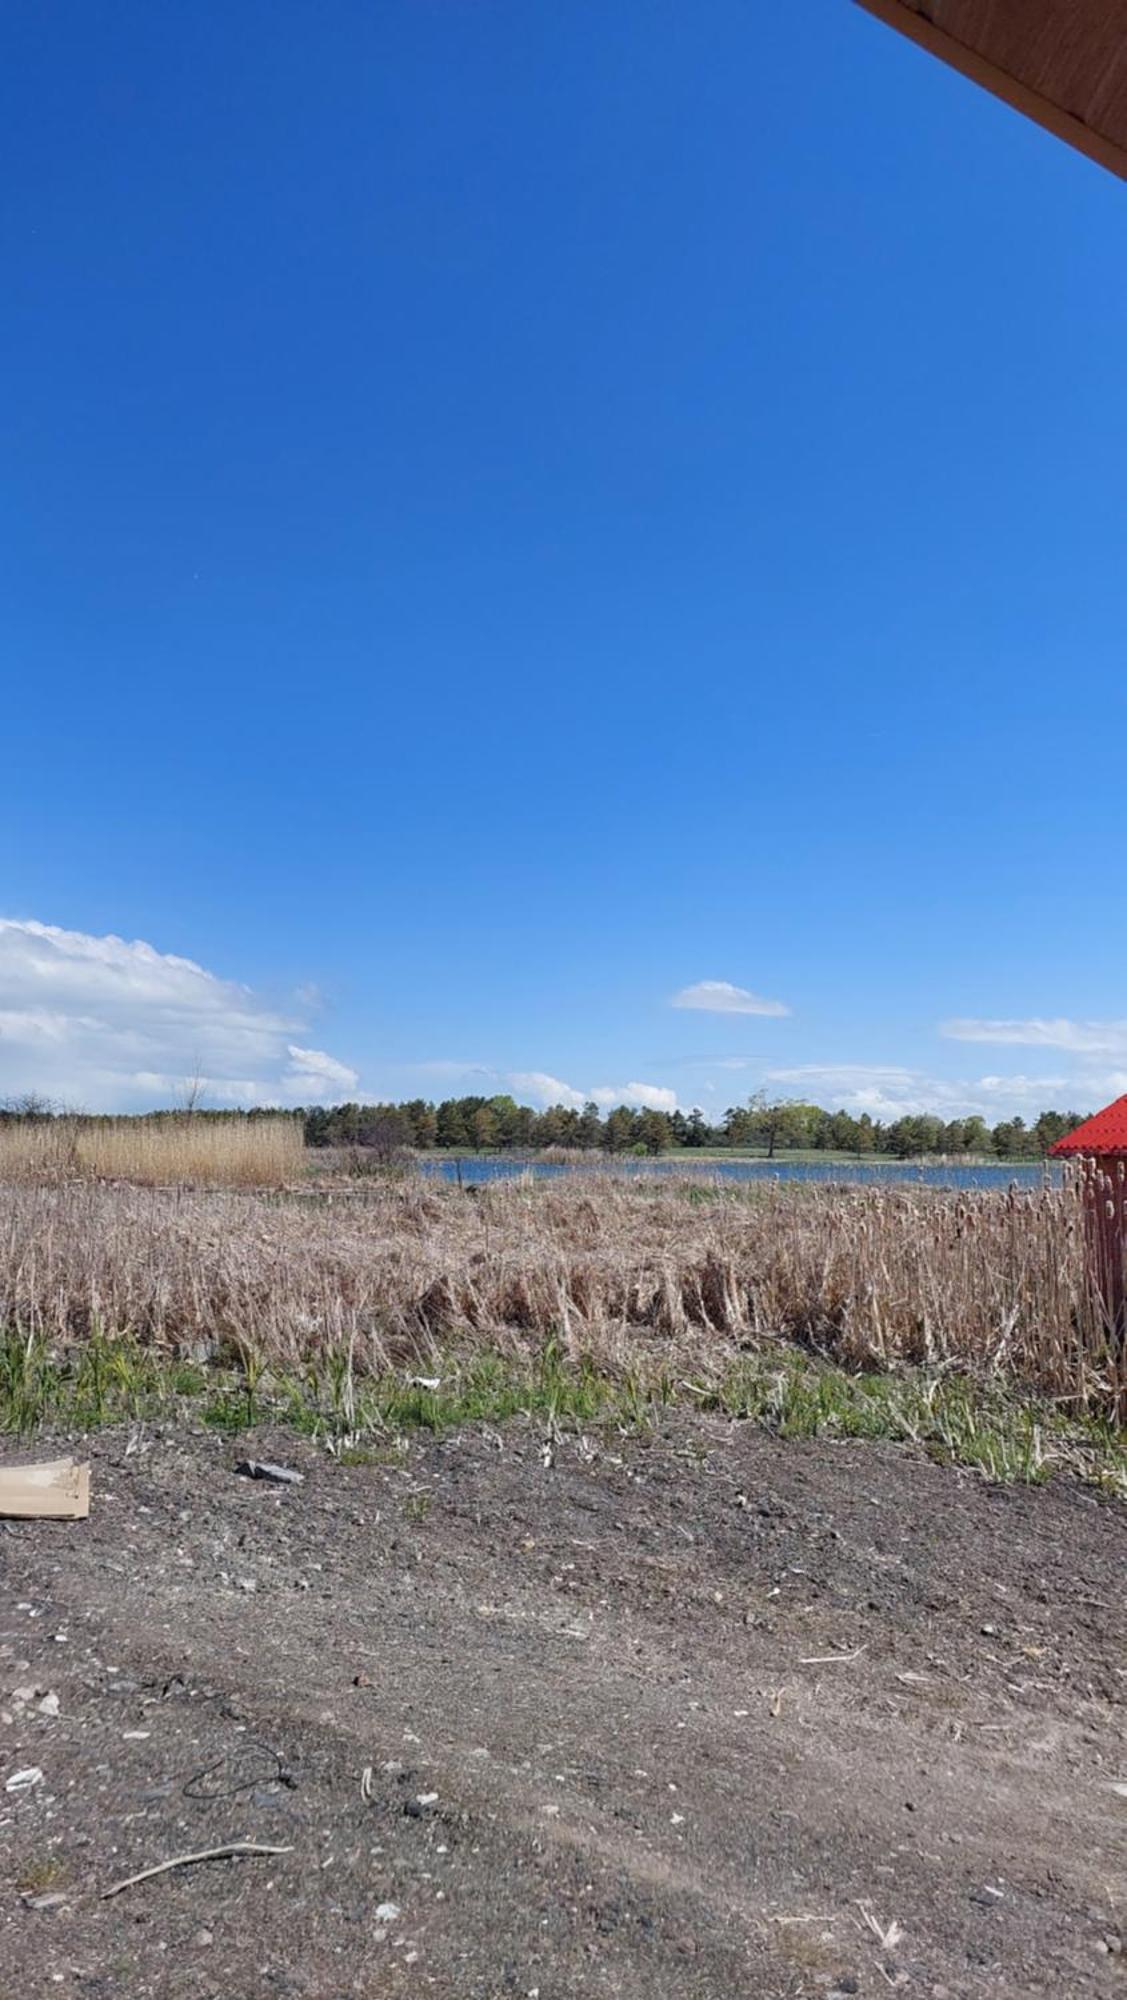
column 1105, row 1133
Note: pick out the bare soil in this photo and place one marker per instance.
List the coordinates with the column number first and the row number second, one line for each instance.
column 699, row 1714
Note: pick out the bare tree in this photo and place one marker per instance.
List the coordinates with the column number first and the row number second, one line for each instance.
column 30, row 1106
column 189, row 1094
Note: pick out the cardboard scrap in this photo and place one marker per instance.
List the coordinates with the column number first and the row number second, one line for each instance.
column 55, row 1490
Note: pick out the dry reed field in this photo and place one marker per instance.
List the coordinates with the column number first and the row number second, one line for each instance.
column 165, row 1151
column 630, row 1275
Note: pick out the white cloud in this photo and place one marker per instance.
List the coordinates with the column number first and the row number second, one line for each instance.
column 889, row 1091
column 1102, row 1038
column 312, row 1073
column 545, row 1089
column 107, row 1024
column 644, row 1096
column 719, row 996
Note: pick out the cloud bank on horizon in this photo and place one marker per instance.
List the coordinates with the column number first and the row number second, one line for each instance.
column 107, row 1024
column 537, row 1086
column 1097, row 1038
column 892, row 1091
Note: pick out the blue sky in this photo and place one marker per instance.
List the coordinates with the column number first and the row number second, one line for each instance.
column 511, row 513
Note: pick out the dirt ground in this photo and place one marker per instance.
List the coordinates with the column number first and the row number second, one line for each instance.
column 701, row 1714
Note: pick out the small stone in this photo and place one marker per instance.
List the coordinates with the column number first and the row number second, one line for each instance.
column 247, row 1583
column 386, row 1913
column 49, row 1706
column 203, row 1937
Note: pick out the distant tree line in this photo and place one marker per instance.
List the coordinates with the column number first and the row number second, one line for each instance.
column 487, row 1124
column 500, row 1124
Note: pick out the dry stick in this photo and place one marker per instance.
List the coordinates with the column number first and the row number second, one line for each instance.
column 833, row 1659
column 187, row 1861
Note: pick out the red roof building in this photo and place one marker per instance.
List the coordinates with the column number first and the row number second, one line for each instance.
column 1100, row 1137
column 1059, row 61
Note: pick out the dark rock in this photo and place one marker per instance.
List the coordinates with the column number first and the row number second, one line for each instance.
column 278, row 1475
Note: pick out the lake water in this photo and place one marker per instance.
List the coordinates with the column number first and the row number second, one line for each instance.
column 864, row 1173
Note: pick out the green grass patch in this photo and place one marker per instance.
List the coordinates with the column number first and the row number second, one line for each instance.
column 107, row 1380
column 956, row 1420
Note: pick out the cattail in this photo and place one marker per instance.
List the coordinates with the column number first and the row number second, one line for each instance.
column 669, row 1273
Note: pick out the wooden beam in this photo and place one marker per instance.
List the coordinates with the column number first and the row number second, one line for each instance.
column 1061, row 62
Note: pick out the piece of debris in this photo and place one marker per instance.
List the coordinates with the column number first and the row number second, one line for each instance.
column 833, row 1659
column 424, row 1381
column 49, row 1706
column 55, row 1490
column 888, row 1936
column 386, row 1913
column 233, row 1849
column 52, row 1901
column 22, row 1781
column 278, row 1475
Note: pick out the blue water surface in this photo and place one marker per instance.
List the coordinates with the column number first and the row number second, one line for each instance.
column 485, row 1167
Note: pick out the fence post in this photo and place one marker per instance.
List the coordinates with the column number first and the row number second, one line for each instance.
column 1104, row 1192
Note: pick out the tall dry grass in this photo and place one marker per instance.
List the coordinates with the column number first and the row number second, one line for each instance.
column 634, row 1274
column 156, row 1152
